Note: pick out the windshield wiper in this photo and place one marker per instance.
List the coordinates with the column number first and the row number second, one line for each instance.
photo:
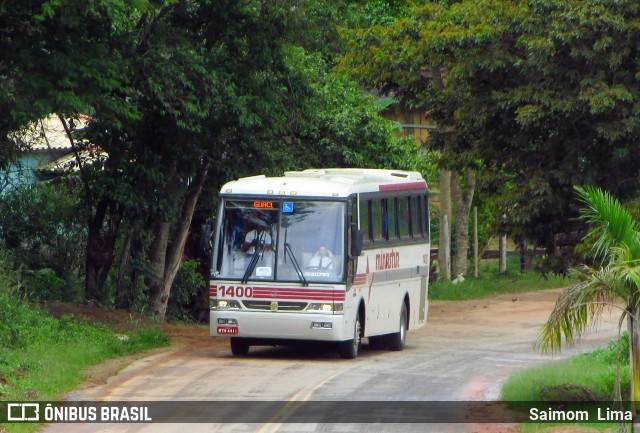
column 259, row 251
column 287, row 249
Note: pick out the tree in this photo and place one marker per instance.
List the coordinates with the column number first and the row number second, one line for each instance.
column 462, row 199
column 167, row 85
column 615, row 236
column 178, row 92
column 544, row 94
column 444, row 241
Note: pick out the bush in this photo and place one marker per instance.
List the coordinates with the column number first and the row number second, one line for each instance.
column 43, row 226
column 589, row 376
column 185, row 289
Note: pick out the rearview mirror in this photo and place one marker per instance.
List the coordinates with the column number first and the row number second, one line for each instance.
column 357, row 237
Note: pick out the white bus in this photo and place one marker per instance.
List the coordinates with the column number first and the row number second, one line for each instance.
column 322, row 254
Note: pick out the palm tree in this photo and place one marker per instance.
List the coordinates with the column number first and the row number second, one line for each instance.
column 615, row 235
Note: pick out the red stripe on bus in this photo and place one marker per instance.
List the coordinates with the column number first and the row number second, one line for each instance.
column 298, row 295
column 286, row 293
column 402, row 186
column 302, row 298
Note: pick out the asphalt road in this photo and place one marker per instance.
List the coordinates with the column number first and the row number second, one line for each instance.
column 465, row 352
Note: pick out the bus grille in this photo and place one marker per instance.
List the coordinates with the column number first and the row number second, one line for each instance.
column 282, row 306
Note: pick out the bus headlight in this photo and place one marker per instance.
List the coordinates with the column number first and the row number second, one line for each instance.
column 325, row 307
column 223, row 304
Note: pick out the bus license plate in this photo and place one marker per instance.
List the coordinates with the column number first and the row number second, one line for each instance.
column 227, row 330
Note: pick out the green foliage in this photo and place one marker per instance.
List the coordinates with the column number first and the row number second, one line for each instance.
column 137, row 341
column 45, row 284
column 318, row 22
column 586, row 376
column 615, row 238
column 611, row 223
column 43, row 226
column 174, row 88
column 41, row 357
column 491, row 282
column 543, row 95
column 186, row 286
column 338, row 125
column 614, row 234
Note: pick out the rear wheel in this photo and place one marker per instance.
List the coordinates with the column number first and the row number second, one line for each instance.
column 349, row 349
column 239, row 346
column 397, row 339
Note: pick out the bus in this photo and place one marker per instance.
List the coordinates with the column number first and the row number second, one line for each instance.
column 332, row 255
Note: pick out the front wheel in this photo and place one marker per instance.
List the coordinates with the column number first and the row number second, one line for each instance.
column 349, row 349
column 239, row 346
column 397, row 339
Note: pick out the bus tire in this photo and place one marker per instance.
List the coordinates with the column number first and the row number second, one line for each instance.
column 239, row 346
column 349, row 349
column 397, row 340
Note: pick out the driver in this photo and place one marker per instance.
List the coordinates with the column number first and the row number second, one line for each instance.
column 322, row 259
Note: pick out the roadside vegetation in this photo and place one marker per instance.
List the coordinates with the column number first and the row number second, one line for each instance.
column 491, row 282
column 42, row 357
column 586, row 377
column 589, row 376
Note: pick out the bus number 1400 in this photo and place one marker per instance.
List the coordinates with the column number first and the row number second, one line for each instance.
column 233, row 291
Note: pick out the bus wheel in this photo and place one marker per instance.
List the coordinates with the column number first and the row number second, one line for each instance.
column 397, row 339
column 349, row 349
column 239, row 346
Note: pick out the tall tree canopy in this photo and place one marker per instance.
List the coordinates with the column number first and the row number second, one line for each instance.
column 178, row 92
column 541, row 94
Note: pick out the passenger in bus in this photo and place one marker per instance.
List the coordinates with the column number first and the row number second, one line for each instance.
column 322, row 259
column 256, row 237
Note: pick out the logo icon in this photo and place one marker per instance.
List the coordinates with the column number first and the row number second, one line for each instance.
column 274, row 306
column 23, row 412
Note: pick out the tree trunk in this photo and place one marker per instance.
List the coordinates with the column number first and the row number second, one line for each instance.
column 462, row 207
column 444, row 241
column 125, row 256
column 171, row 239
column 158, row 258
column 476, row 258
column 101, row 245
column 634, row 357
column 502, row 262
column 525, row 255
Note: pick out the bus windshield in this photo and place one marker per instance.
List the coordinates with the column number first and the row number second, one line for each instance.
column 290, row 241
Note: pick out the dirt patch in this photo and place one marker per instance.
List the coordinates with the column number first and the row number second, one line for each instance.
column 118, row 320
column 183, row 337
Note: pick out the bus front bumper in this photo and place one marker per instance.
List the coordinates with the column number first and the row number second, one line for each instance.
column 277, row 325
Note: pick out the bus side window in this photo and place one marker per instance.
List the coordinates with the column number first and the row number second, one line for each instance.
column 420, row 217
column 377, row 218
column 404, row 217
column 392, row 218
column 384, row 209
column 416, row 217
column 365, row 221
column 427, row 216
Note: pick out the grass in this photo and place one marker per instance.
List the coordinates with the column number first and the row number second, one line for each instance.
column 585, row 377
column 491, row 282
column 42, row 357
column 588, row 375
